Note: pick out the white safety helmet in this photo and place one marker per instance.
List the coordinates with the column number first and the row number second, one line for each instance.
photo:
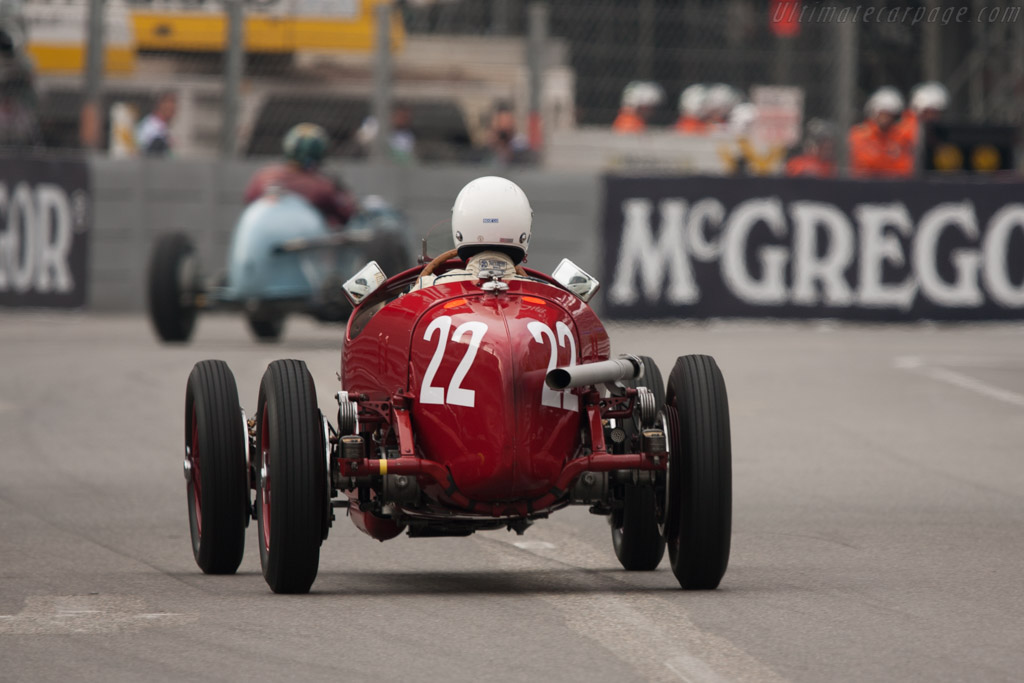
column 642, row 94
column 492, row 212
column 886, row 99
column 721, row 98
column 742, row 118
column 693, row 99
column 930, row 95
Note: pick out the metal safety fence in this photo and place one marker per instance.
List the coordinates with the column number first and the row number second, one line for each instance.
column 459, row 72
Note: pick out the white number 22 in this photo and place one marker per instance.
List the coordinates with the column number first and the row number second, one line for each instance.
column 560, row 337
column 456, row 394
column 549, row 397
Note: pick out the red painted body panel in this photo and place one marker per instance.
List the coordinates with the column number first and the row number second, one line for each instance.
column 474, row 364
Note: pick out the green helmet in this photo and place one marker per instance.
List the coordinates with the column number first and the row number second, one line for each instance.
column 306, row 144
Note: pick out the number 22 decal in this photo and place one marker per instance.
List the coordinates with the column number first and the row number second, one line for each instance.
column 540, row 332
column 456, row 395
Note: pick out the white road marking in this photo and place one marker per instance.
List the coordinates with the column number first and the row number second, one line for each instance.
column 534, row 545
column 692, row 670
column 63, row 614
column 919, row 365
column 650, row 632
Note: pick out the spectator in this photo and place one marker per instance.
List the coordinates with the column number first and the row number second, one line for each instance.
column 719, row 102
column 507, row 144
column 692, row 110
column 639, row 99
column 153, row 135
column 19, row 126
column 744, row 159
column 305, row 147
column 928, row 102
column 878, row 148
column 403, row 140
column 818, row 156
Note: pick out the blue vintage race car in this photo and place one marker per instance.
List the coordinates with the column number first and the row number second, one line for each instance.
column 283, row 259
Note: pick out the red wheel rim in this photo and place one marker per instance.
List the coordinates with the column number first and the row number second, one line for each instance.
column 265, row 478
column 195, row 479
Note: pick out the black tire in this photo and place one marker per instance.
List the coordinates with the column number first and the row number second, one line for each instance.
column 391, row 252
column 172, row 287
column 697, row 521
column 635, row 535
column 267, row 327
column 293, row 477
column 217, row 485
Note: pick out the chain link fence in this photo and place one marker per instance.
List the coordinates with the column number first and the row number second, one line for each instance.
column 460, row 66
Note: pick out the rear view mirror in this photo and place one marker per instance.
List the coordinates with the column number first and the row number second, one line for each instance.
column 576, row 280
column 364, row 283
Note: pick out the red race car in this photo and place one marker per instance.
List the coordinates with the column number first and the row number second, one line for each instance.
column 478, row 402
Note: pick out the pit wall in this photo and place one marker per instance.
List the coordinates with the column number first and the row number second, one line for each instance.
column 78, row 233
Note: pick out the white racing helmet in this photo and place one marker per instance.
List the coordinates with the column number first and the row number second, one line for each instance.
column 930, row 95
column 693, row 99
column 492, row 213
column 886, row 99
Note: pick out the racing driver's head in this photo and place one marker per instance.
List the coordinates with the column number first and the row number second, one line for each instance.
column 306, row 145
column 492, row 214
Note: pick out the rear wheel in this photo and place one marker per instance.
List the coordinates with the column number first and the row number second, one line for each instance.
column 173, row 278
column 697, row 521
column 215, row 468
column 293, row 477
column 390, row 250
column 635, row 536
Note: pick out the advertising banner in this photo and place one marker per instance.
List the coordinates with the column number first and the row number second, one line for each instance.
column 45, row 220
column 701, row 247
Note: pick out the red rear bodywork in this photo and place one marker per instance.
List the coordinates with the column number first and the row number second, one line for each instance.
column 470, row 365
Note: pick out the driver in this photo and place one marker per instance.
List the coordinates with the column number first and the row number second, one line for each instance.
column 305, row 146
column 491, row 225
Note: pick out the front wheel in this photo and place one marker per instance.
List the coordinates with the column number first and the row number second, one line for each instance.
column 292, row 477
column 266, row 327
column 215, row 468
column 697, row 515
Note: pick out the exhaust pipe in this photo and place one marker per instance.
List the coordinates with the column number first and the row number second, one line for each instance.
column 588, row 374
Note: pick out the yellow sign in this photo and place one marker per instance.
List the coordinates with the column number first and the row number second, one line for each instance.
column 57, row 31
column 276, row 27
column 57, row 35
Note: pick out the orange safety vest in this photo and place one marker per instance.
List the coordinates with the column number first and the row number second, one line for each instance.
column 810, row 165
column 691, row 125
column 878, row 153
column 628, row 122
column 909, row 126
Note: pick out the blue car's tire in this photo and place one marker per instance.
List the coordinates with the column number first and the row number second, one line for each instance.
column 267, row 327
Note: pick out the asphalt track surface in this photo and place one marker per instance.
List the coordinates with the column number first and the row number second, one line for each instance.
column 878, row 527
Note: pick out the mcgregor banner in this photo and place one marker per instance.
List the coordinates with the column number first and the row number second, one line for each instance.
column 44, row 232
column 806, row 248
